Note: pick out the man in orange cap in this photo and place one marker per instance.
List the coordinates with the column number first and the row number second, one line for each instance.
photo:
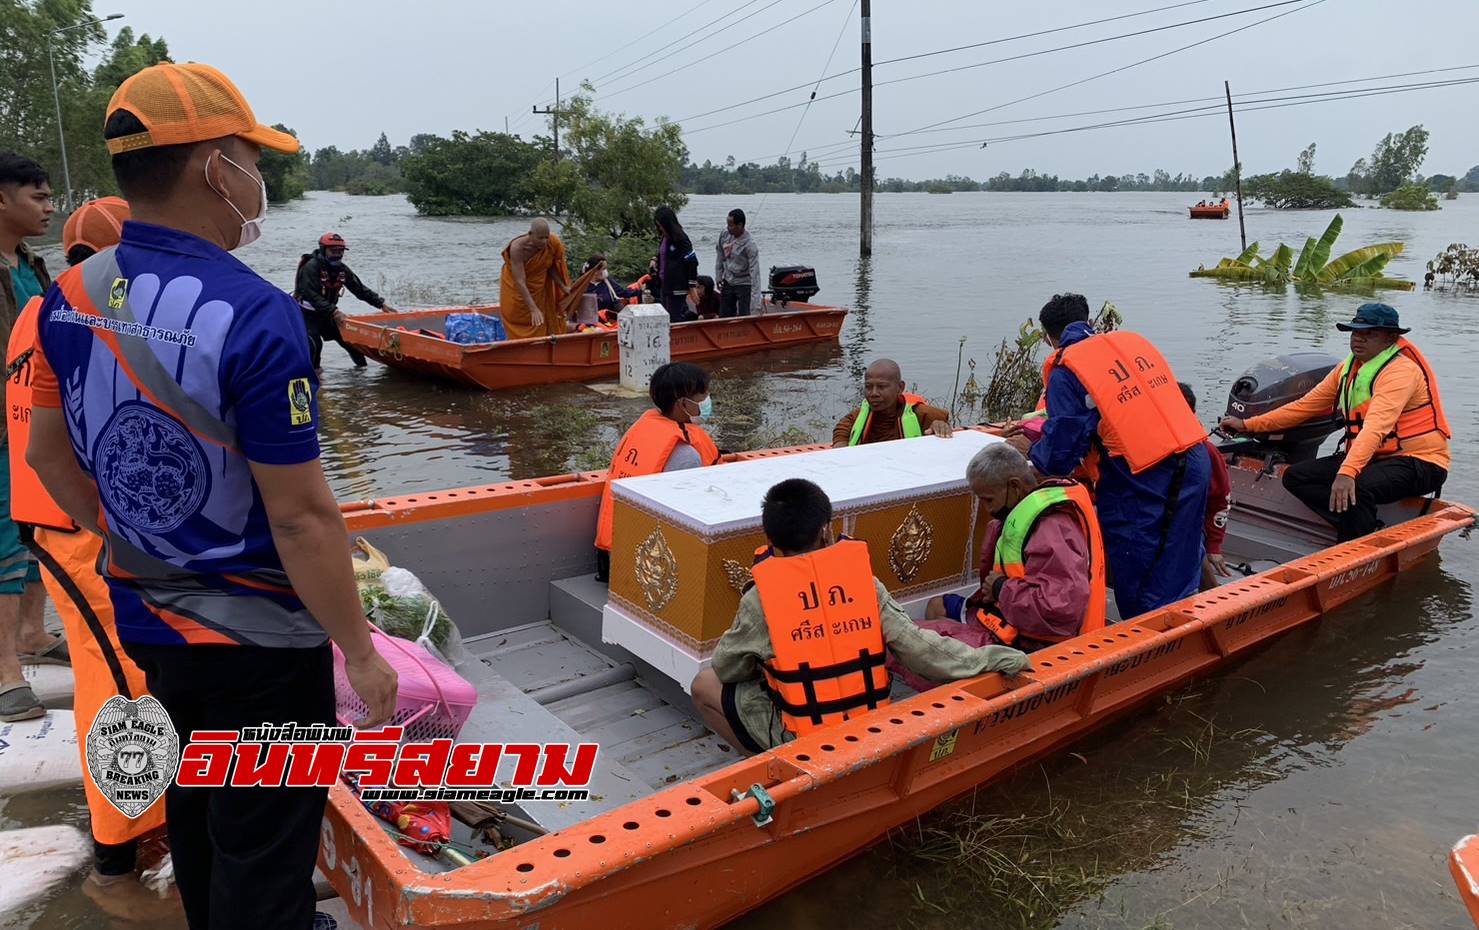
column 94, row 226
column 322, row 277
column 189, row 403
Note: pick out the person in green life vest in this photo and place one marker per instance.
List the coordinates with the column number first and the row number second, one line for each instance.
column 1042, row 565
column 888, row 412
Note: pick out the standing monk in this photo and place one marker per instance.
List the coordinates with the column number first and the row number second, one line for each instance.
column 534, row 281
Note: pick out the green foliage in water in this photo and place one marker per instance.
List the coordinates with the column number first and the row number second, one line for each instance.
column 287, row 176
column 1410, row 197
column 1294, row 190
column 1456, row 267
column 470, row 174
column 1016, row 375
column 1357, row 270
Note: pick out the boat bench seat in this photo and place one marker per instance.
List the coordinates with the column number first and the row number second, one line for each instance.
column 505, row 714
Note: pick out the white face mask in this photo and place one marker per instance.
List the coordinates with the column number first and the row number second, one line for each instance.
column 251, row 229
column 603, row 274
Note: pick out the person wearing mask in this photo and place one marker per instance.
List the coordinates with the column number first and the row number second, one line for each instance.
column 703, row 301
column 610, row 294
column 1042, row 565
column 68, row 556
column 765, row 686
column 677, row 266
column 1396, row 433
column 322, row 278
column 1219, row 506
column 226, row 591
column 665, row 438
column 737, row 270
column 1115, row 393
column 888, row 412
column 25, row 212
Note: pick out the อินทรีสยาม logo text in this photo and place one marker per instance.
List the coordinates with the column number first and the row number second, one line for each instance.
column 385, row 769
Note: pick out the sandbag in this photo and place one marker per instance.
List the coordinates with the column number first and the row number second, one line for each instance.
column 39, row 754
column 35, row 860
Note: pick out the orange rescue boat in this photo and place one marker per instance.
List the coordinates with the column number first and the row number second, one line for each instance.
column 414, row 342
column 682, row 831
column 1211, row 211
column 1463, row 862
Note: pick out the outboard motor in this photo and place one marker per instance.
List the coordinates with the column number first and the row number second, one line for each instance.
column 793, row 282
column 1275, row 382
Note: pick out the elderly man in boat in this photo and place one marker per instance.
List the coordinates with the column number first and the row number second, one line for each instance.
column 1396, row 433
column 534, row 283
column 779, row 671
column 888, row 412
column 1042, row 565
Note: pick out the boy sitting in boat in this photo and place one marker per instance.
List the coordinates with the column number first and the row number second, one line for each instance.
column 814, row 629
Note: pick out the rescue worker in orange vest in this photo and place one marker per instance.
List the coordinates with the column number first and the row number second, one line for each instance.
column 1396, row 439
column 809, row 643
column 1042, row 565
column 1114, row 392
column 68, row 558
column 888, row 412
column 667, row 438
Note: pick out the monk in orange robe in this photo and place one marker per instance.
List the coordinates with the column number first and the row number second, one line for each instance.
column 534, row 284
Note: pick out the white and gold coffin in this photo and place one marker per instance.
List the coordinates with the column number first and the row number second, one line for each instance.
column 683, row 542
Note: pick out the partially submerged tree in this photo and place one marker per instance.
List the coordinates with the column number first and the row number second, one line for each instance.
column 1359, row 270
column 287, row 176
column 1293, row 190
column 1410, row 197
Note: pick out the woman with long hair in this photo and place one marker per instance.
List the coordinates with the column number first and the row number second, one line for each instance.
column 677, row 265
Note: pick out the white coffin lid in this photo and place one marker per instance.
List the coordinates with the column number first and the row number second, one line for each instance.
column 726, row 498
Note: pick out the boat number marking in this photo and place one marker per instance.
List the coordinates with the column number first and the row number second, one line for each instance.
column 1028, row 705
column 1164, row 649
column 944, row 745
column 786, row 329
column 1259, row 611
column 1355, row 574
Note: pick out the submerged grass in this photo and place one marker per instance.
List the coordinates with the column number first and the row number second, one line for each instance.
column 1047, row 841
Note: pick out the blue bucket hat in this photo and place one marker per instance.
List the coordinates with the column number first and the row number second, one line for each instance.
column 1374, row 316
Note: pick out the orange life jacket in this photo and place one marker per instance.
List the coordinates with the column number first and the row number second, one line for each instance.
column 1012, row 543
column 29, row 502
column 645, row 450
column 1356, row 391
column 1143, row 417
column 1088, row 469
column 827, row 632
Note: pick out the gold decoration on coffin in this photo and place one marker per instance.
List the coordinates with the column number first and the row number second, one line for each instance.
column 657, row 571
column 739, row 576
column 910, row 546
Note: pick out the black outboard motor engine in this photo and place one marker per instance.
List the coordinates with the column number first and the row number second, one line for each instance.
column 1275, row 382
column 793, row 282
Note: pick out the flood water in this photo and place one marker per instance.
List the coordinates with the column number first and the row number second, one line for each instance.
column 1317, row 784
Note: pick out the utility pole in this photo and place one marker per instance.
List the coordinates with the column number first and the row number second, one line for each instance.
column 865, row 230
column 56, row 93
column 554, row 113
column 1237, row 167
column 505, row 125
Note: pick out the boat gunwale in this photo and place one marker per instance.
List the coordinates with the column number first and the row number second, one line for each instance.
column 1463, row 863
column 628, row 835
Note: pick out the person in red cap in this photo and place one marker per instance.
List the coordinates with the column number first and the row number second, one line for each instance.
column 189, row 443
column 322, row 277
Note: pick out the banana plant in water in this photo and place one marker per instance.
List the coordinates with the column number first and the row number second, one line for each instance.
column 1359, row 270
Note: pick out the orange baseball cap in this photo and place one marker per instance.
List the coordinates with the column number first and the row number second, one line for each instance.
column 189, row 103
column 97, row 223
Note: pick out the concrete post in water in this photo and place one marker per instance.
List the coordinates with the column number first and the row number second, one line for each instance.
column 865, row 161
column 643, row 344
column 1237, row 168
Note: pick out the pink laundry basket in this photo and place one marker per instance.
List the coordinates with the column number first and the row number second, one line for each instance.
column 433, row 701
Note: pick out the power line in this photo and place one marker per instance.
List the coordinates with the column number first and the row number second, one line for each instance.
column 627, row 69
column 709, row 57
column 1246, row 106
column 1025, row 35
column 1049, row 51
column 826, row 148
column 624, row 47
column 1134, row 64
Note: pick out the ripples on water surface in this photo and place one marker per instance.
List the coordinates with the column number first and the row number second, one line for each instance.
column 1317, row 784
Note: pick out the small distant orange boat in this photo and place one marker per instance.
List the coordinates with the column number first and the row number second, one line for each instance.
column 414, row 342
column 1463, row 862
column 1211, row 211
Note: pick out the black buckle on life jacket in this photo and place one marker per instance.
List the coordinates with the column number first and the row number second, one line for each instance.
column 807, row 677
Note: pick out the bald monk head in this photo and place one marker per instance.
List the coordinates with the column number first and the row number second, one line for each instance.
column 538, row 234
column 883, row 382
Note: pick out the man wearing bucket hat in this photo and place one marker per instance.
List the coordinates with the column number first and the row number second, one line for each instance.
column 1396, row 434
column 189, row 399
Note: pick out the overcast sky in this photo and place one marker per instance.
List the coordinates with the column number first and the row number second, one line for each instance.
column 339, row 73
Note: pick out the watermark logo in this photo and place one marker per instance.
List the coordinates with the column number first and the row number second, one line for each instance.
column 132, row 752
column 383, row 768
